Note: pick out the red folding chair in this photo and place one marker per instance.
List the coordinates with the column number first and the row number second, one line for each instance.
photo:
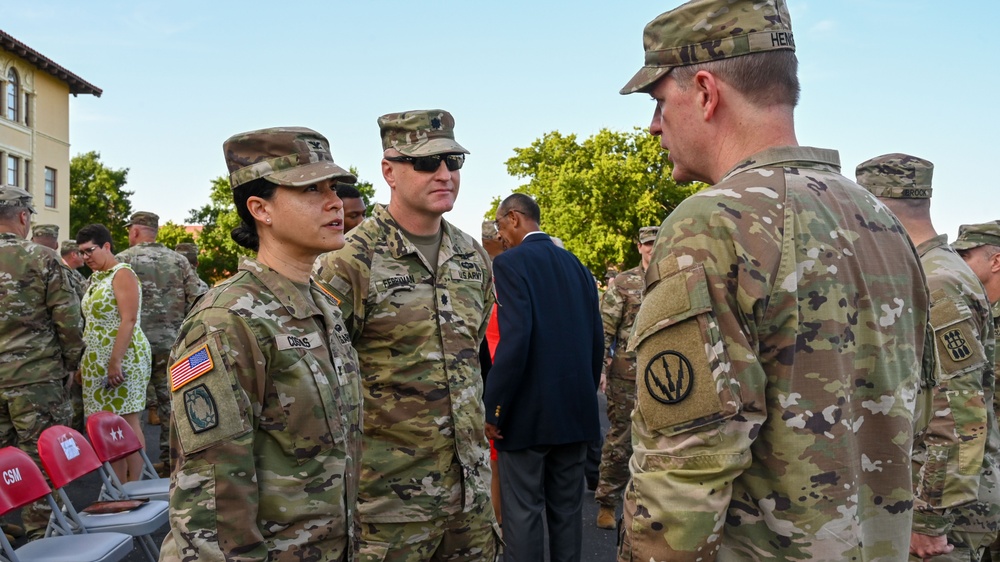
column 113, row 439
column 66, row 456
column 21, row 483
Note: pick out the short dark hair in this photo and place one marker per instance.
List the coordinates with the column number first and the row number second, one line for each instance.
column 766, row 78
column 9, row 212
column 523, row 204
column 347, row 191
column 245, row 234
column 98, row 234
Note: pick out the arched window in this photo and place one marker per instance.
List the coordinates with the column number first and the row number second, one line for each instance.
column 12, row 96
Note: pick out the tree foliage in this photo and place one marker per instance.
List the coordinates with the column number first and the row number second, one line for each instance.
column 595, row 195
column 171, row 234
column 219, row 255
column 367, row 192
column 97, row 195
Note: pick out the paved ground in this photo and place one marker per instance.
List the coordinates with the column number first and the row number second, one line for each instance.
column 598, row 544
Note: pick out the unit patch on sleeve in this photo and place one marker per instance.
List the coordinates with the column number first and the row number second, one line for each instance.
column 190, row 367
column 202, row 412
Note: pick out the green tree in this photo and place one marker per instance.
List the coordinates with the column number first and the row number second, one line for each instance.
column 367, row 191
column 219, row 254
column 97, row 195
column 595, row 195
column 171, row 234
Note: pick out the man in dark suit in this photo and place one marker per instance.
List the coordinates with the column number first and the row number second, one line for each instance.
column 541, row 395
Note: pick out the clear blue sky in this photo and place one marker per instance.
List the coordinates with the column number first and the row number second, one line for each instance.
column 180, row 77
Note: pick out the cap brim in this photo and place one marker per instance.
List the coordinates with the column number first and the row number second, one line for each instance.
column 301, row 176
column 647, row 239
column 644, row 79
column 431, row 147
column 965, row 245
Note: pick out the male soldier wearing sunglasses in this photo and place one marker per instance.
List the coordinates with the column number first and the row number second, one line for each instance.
column 416, row 294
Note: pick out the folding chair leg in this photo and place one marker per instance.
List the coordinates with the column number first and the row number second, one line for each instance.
column 149, row 547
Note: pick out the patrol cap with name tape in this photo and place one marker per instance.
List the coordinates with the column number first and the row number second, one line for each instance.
column 144, row 218
column 45, row 230
column 291, row 156
column 896, row 176
column 648, row 234
column 975, row 235
column 11, row 196
column 706, row 30
column 421, row 132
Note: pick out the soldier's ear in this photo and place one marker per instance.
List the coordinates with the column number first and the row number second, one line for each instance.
column 995, row 263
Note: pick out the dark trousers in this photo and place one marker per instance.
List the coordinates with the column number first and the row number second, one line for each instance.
column 543, row 479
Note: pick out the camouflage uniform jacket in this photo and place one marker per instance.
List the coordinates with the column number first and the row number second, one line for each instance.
column 417, row 337
column 41, row 328
column 77, row 281
column 265, row 443
column 780, row 347
column 170, row 287
column 619, row 305
column 955, row 472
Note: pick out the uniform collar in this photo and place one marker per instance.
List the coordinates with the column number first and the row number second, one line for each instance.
column 284, row 289
column 936, row 242
column 399, row 245
column 789, row 156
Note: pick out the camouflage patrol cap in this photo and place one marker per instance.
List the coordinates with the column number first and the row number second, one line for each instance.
column 68, row 247
column 490, row 230
column 45, row 231
column 419, row 133
column 707, row 30
column 648, row 234
column 11, row 196
column 975, row 235
column 144, row 218
column 896, row 176
column 291, row 156
column 188, row 250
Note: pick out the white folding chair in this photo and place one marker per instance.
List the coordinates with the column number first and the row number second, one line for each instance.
column 67, row 456
column 21, row 483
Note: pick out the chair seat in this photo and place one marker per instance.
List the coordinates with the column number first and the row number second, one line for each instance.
column 140, row 521
column 158, row 489
column 96, row 547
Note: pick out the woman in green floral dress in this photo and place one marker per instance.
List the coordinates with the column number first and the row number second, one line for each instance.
column 115, row 367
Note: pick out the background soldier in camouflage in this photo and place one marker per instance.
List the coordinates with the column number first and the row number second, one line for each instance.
column 170, row 287
column 190, row 251
column 46, row 235
column 979, row 246
column 41, row 338
column 266, row 430
column 781, row 337
column 619, row 305
column 955, row 456
column 73, row 261
column 416, row 293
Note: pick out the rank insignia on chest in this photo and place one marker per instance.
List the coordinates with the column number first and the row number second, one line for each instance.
column 192, row 366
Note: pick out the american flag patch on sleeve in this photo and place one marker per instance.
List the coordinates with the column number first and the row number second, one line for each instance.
column 195, row 364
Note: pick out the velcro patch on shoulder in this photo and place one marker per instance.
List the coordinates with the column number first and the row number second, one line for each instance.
column 955, row 335
column 209, row 412
column 193, row 365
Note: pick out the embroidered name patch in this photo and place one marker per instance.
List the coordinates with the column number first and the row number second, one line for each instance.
column 307, row 341
column 192, row 366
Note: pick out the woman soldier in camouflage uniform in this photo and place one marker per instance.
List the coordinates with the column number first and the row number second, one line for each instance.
column 266, row 433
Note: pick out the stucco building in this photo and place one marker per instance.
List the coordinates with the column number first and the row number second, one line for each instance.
column 34, row 128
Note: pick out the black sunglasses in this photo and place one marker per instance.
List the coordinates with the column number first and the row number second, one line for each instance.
column 431, row 163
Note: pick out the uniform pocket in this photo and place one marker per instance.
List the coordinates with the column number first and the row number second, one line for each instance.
column 682, row 368
column 311, row 421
